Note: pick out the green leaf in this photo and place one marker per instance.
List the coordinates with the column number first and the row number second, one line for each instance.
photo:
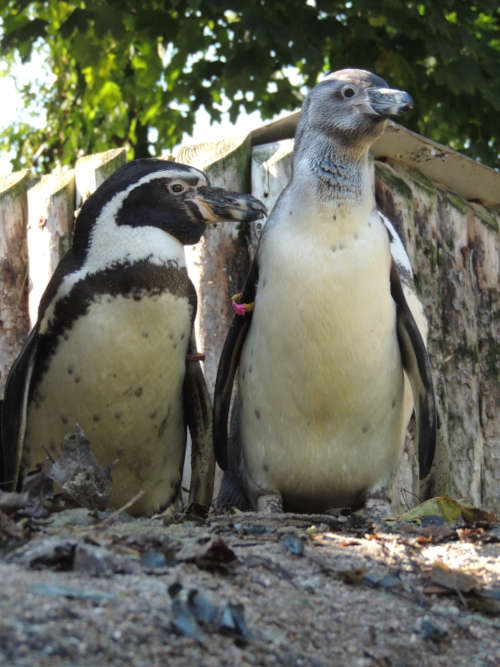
column 22, row 39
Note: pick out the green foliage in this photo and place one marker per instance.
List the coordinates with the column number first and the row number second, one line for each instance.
column 125, row 67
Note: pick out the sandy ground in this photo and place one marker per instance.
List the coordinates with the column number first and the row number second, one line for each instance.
column 248, row 589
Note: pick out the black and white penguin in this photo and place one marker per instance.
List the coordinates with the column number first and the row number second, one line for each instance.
column 112, row 349
column 324, row 352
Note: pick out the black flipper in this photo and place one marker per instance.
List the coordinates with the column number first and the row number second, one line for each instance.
column 228, row 364
column 14, row 411
column 417, row 366
column 232, row 493
column 198, row 416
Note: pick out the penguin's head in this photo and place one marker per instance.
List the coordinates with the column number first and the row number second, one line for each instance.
column 351, row 107
column 157, row 193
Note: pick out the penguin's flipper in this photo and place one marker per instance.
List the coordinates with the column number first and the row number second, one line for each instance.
column 231, row 493
column 14, row 410
column 198, row 415
column 418, row 369
column 228, row 364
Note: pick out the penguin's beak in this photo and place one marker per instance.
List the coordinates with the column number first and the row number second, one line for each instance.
column 217, row 205
column 389, row 103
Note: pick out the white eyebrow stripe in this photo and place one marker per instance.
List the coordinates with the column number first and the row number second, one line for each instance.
column 109, row 243
column 171, row 174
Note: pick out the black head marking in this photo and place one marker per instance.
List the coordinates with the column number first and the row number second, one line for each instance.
column 121, row 180
column 163, row 203
column 156, row 193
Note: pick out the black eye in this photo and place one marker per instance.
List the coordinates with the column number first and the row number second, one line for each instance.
column 177, row 188
column 348, row 91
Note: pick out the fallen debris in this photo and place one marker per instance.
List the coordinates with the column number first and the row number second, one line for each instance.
column 54, row 590
column 194, row 613
column 10, row 529
column 293, row 544
column 81, row 478
column 453, row 578
column 218, row 557
column 443, row 509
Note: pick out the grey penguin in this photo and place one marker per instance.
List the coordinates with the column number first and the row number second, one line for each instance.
column 329, row 355
column 113, row 348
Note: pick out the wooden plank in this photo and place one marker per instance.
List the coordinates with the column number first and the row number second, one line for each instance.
column 271, row 170
column 14, row 321
column 50, row 222
column 219, row 263
column 92, row 170
column 456, row 172
column 442, row 165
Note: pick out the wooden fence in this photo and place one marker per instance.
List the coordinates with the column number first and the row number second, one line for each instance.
column 445, row 207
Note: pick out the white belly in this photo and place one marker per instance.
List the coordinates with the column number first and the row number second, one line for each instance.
column 321, row 379
column 120, row 375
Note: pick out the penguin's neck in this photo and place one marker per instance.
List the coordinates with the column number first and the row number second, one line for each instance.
column 337, row 182
column 111, row 244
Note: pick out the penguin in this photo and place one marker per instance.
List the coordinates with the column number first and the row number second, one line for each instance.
column 329, row 355
column 113, row 347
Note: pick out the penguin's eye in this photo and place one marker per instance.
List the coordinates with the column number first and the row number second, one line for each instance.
column 348, row 91
column 176, row 188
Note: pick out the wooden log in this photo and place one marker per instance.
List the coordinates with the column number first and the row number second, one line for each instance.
column 441, row 164
column 271, row 169
column 218, row 264
column 454, row 248
column 51, row 211
column 50, row 223
column 14, row 321
column 220, row 261
column 92, row 170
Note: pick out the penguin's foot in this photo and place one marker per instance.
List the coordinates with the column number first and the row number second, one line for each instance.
column 241, row 308
column 231, row 494
column 171, row 513
column 196, row 512
column 271, row 503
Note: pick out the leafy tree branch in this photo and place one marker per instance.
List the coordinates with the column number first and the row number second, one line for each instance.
column 134, row 72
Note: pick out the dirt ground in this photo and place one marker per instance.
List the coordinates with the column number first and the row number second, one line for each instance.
column 82, row 589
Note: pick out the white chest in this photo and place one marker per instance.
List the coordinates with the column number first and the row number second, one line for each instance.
column 320, row 375
column 327, row 294
column 119, row 373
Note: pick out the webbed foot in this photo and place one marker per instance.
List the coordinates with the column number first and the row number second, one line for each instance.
column 270, row 503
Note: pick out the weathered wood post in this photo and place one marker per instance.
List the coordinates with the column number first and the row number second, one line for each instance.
column 216, row 264
column 454, row 246
column 14, row 322
column 51, row 206
column 92, row 170
column 50, row 223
